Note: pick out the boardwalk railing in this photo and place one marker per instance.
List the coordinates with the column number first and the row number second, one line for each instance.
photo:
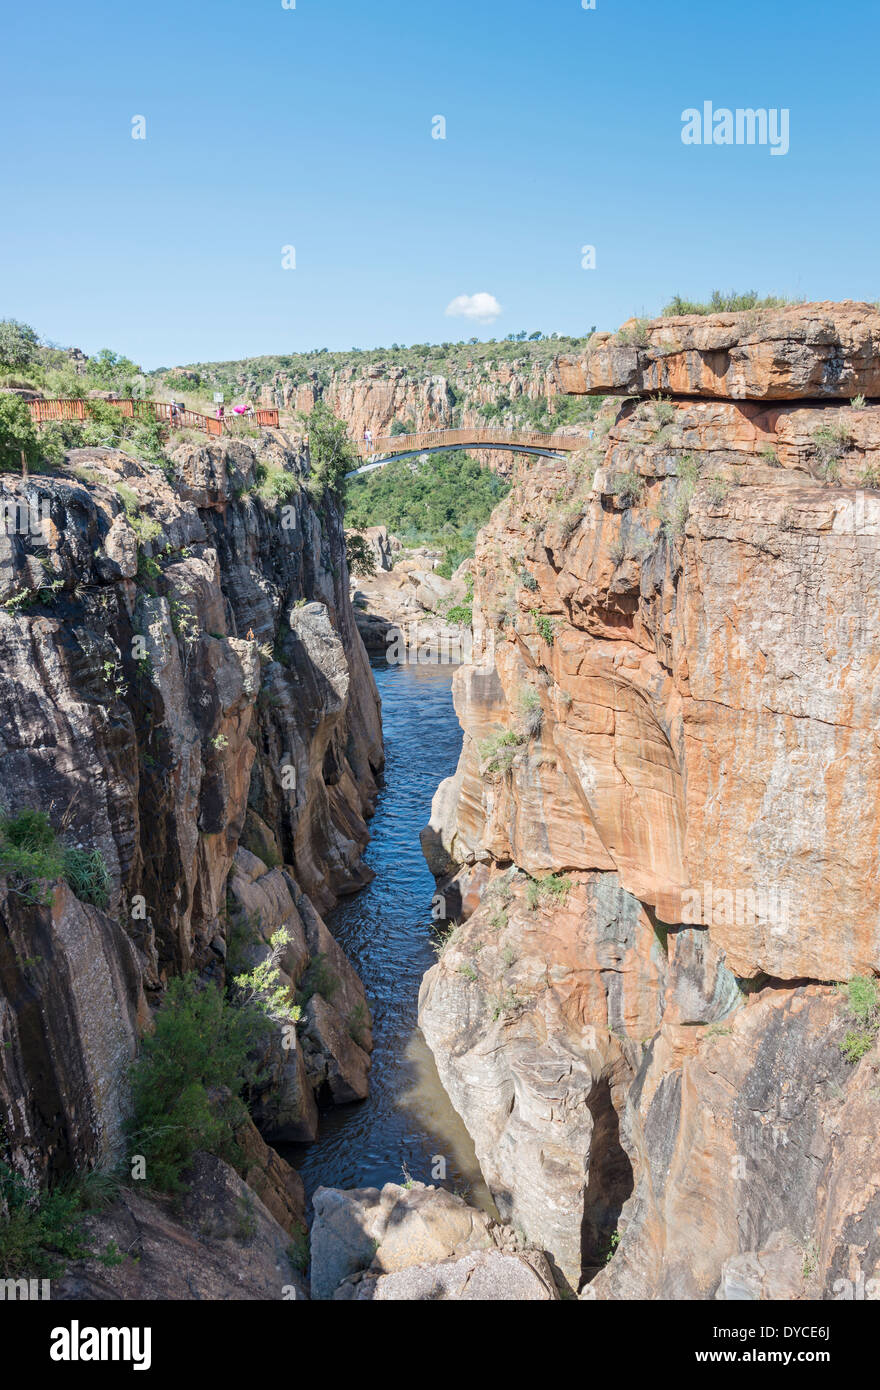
column 77, row 409
column 475, row 438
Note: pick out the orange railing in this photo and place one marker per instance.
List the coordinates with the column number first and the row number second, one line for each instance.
column 476, row 438
column 77, row 409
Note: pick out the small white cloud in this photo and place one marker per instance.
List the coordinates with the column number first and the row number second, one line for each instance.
column 483, row 308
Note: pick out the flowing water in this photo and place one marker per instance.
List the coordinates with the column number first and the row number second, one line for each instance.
column 407, row 1122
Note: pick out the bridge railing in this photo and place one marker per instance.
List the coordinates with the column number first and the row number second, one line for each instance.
column 76, row 408
column 477, row 438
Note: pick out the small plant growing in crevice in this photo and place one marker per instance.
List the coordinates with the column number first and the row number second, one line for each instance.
column 320, row 978
column 358, row 1022
column 531, row 711
column 610, row 1249
column 41, row 1229
column 497, row 754
column 831, row 443
column 505, row 1004
column 263, row 988
column 547, row 892
column 717, row 489
column 31, row 859
column 863, row 1010
column 544, row 625
column 634, row 334
column 628, row 488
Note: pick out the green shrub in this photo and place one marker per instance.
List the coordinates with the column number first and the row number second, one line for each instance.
column 544, row 626
column 360, row 555
column 275, row 484
column 19, row 345
column 863, row 1008
column 320, row 978
column 105, row 425
column 547, row 892
column 498, row 752
column 40, row 1230
column 461, row 613
column 86, row 873
column 723, row 302
column 331, row 453
column 31, row 858
column 200, row 1044
column 18, row 435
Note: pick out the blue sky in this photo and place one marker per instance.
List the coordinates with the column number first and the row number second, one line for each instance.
column 311, row 127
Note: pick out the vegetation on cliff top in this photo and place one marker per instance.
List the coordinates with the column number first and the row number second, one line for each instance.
column 725, row 302
column 320, row 365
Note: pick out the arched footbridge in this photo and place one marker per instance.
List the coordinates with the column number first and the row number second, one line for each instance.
column 378, row 452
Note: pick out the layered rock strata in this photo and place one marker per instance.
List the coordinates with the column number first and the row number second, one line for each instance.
column 665, row 814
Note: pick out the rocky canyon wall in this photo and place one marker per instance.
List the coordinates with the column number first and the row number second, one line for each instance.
column 185, row 696
column 662, row 839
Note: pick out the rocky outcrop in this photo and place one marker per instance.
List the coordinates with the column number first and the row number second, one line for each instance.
column 823, row 351
column 402, row 611
column 664, row 819
column 221, row 1242
column 417, row 1243
column 72, row 1007
column 180, row 676
column 754, row 1160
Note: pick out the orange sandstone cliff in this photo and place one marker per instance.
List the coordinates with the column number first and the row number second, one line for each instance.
column 661, row 843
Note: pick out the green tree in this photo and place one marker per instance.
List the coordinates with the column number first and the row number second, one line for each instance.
column 112, row 370
column 331, row 452
column 19, row 344
column 17, row 434
column 359, row 554
column 188, row 1081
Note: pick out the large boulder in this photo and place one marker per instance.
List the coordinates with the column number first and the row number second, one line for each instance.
column 387, row 1231
column 487, row 1276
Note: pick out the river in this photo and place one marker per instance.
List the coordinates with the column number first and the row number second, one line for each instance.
column 407, row 1122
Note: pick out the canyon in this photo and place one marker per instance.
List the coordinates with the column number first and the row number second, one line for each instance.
column 656, row 862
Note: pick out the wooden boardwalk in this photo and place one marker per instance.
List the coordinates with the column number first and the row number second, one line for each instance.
column 75, row 408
